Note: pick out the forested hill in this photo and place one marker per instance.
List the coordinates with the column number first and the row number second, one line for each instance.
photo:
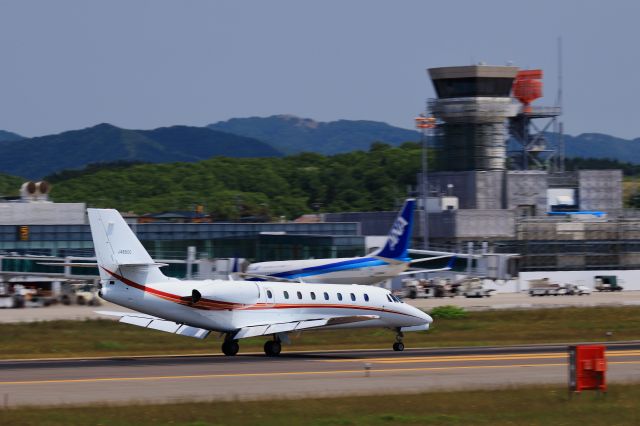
column 9, row 136
column 34, row 158
column 231, row 188
column 598, row 145
column 292, row 135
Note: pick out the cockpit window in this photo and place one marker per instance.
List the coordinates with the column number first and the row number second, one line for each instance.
column 389, row 298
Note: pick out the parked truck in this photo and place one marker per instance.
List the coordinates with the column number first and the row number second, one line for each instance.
column 545, row 287
column 473, row 287
column 423, row 288
column 607, row 283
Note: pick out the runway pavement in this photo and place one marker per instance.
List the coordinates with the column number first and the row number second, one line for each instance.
column 293, row 375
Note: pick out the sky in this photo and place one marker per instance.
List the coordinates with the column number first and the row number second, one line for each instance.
column 70, row 64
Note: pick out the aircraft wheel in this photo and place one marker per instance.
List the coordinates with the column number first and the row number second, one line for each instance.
column 272, row 348
column 398, row 346
column 230, row 347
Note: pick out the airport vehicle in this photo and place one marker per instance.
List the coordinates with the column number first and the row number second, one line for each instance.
column 544, row 287
column 11, row 295
column 81, row 294
column 236, row 309
column 473, row 287
column 607, row 283
column 388, row 262
column 577, row 290
column 427, row 288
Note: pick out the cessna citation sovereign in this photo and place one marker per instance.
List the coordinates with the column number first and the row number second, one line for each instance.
column 236, row 309
column 388, row 262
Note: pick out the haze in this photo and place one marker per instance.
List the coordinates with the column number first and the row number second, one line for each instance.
column 70, row 64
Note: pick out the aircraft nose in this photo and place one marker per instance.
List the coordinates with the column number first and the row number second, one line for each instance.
column 423, row 315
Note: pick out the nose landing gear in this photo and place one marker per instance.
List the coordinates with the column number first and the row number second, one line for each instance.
column 273, row 347
column 398, row 346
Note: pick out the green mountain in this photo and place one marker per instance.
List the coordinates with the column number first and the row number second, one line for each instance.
column 9, row 136
column 598, row 145
column 41, row 156
column 293, row 135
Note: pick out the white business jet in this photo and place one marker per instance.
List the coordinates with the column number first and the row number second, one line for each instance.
column 390, row 261
column 236, row 309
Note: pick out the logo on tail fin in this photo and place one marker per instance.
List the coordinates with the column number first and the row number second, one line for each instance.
column 396, row 232
column 400, row 234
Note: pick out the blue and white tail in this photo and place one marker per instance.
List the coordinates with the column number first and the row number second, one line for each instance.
column 119, row 251
column 400, row 234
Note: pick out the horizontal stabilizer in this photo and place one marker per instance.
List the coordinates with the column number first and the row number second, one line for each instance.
column 263, row 329
column 73, row 265
column 155, row 323
column 95, row 265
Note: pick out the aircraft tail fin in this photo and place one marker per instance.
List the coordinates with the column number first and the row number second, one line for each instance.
column 118, row 250
column 399, row 237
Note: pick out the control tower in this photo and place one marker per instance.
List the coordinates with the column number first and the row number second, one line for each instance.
column 473, row 105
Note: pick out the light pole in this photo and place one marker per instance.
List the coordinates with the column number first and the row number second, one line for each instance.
column 425, row 124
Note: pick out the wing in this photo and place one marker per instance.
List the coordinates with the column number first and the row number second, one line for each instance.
column 450, row 265
column 155, row 323
column 284, row 327
column 423, row 271
column 262, row 277
column 426, row 259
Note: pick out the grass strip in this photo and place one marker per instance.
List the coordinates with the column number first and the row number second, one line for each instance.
column 514, row 406
column 504, row 327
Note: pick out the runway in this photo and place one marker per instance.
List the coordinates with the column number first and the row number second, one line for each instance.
column 293, row 375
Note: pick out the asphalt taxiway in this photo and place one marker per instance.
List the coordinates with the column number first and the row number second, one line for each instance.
column 292, row 375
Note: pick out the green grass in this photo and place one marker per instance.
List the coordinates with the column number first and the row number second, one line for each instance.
column 109, row 338
column 514, row 406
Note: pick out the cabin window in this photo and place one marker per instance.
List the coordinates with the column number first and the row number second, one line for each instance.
column 366, row 297
column 326, row 296
column 286, row 294
column 299, row 295
column 269, row 294
column 313, row 296
column 353, row 297
column 339, row 296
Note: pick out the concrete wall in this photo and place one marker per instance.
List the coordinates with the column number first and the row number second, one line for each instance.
column 527, row 188
column 472, row 224
column 600, row 189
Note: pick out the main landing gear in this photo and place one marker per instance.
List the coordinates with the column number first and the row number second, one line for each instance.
column 273, row 347
column 230, row 347
column 398, row 346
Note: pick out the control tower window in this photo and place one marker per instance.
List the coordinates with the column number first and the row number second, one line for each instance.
column 473, row 86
